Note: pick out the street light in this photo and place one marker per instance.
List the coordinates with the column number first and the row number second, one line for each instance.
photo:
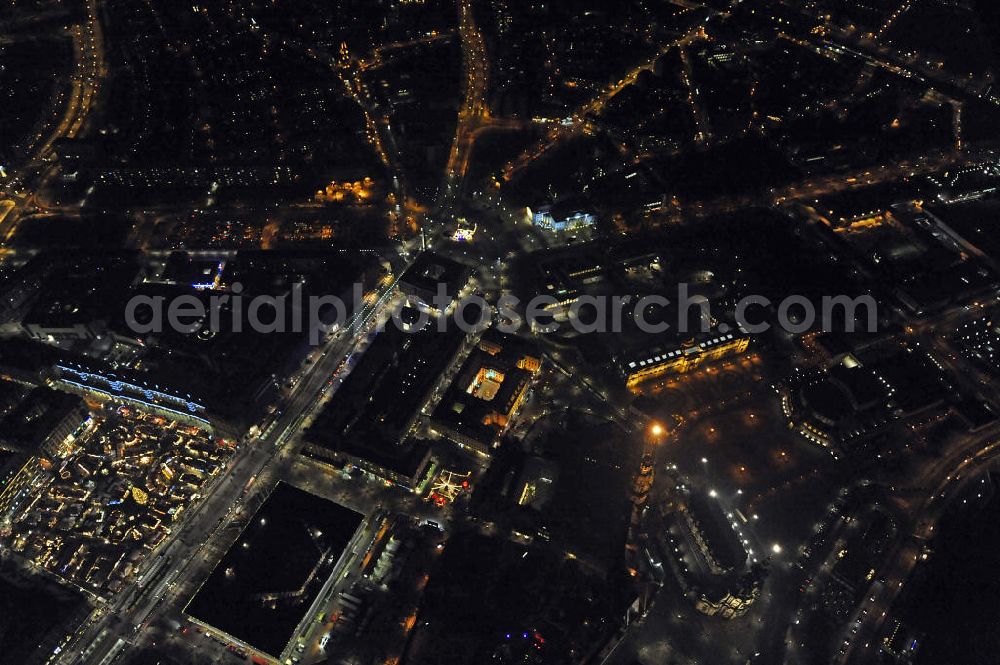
column 776, row 548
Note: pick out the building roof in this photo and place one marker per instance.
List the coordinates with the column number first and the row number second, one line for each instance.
column 10, row 463
column 668, row 349
column 369, row 413
column 716, row 529
column 486, row 390
column 83, row 289
column 27, row 426
column 827, row 401
column 863, row 387
column 27, row 360
column 275, row 271
column 566, row 207
column 284, row 554
column 430, row 270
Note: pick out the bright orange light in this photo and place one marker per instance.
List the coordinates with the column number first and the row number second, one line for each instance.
column 656, row 429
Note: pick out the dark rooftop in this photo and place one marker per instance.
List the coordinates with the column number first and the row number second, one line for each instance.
column 371, row 410
column 26, row 427
column 430, row 270
column 267, row 580
column 488, row 388
column 83, row 288
column 719, row 535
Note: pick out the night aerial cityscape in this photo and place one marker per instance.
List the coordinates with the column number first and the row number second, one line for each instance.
column 500, row 332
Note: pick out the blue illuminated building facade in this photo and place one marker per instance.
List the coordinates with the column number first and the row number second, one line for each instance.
column 556, row 221
column 132, row 391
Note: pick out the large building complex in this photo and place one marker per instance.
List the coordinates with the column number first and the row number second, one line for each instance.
column 370, row 423
column 434, row 277
column 266, row 584
column 665, row 360
column 41, row 421
column 566, row 217
column 487, row 392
